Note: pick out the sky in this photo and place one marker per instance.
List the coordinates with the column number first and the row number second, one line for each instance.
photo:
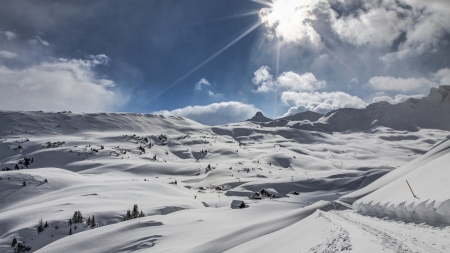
column 220, row 61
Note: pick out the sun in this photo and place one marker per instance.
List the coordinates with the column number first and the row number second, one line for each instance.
column 290, row 20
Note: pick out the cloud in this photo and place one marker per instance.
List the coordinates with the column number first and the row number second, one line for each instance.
column 388, row 83
column 377, row 26
column 296, row 82
column 291, row 21
column 201, row 83
column 442, row 76
column 7, row 55
column 286, row 81
column 59, row 85
column 10, row 35
column 320, row 102
column 216, row 113
column 397, row 99
column 263, row 79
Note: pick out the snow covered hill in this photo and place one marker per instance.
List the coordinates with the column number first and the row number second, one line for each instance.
column 183, row 176
column 428, row 112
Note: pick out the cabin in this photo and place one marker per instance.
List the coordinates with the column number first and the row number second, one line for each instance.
column 237, row 204
column 219, row 188
column 269, row 192
column 201, row 188
column 256, row 195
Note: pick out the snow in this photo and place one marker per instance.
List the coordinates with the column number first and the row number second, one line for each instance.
column 428, row 177
column 93, row 163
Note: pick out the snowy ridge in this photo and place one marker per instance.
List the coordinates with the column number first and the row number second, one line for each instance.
column 428, row 176
column 428, row 112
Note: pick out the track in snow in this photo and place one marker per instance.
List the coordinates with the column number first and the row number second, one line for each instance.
column 393, row 236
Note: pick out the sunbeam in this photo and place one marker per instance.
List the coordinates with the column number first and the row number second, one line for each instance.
column 205, row 61
column 263, row 2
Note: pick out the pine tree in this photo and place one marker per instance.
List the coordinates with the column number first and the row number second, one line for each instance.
column 135, row 211
column 16, row 167
column 128, row 217
column 70, row 231
column 141, row 214
column 40, row 227
column 93, row 222
column 46, row 181
column 70, row 222
column 46, row 224
column 88, row 222
column 14, row 242
column 24, row 183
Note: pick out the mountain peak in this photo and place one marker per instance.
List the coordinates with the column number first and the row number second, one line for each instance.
column 259, row 117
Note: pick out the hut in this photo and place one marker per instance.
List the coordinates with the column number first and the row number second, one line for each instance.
column 219, row 188
column 237, row 204
column 256, row 195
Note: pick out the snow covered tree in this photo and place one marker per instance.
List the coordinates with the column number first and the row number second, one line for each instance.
column 21, row 248
column 70, row 222
column 14, row 242
column 24, row 183
column 141, row 214
column 46, row 224
column 88, row 222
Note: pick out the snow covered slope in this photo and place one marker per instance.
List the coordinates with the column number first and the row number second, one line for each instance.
column 429, row 177
column 183, row 176
column 428, row 112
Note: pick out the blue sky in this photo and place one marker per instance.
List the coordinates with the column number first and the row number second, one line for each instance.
column 220, row 61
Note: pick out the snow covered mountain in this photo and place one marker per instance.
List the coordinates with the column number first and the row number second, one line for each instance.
column 428, row 112
column 183, row 176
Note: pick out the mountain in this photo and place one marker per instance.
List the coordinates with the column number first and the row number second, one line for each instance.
column 428, row 112
column 259, row 117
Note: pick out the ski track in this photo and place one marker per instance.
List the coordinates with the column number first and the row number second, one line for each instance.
column 395, row 236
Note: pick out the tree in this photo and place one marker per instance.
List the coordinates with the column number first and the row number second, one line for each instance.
column 46, row 224
column 24, row 183
column 93, row 222
column 16, row 167
column 40, row 227
column 88, row 222
column 70, row 231
column 128, row 216
column 14, row 242
column 70, row 222
column 135, row 213
column 77, row 217
column 141, row 214
column 46, row 181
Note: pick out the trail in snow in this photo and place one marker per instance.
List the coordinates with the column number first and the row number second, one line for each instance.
column 392, row 235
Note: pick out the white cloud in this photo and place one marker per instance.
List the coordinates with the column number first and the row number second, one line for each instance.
column 320, row 102
column 291, row 20
column 7, row 55
column 388, row 83
column 442, row 76
column 286, row 81
column 397, row 99
column 215, row 114
column 59, row 85
column 296, row 82
column 263, row 79
column 216, row 95
column 377, row 27
column 41, row 41
column 10, row 35
column 201, row 83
